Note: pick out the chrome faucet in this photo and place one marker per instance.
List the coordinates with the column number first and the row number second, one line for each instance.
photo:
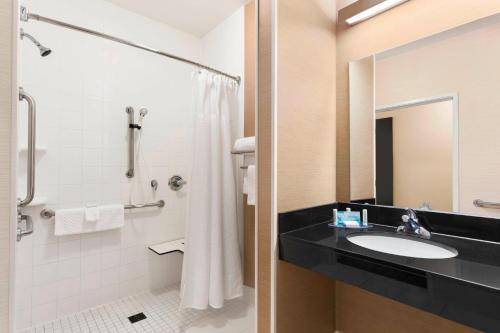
column 411, row 225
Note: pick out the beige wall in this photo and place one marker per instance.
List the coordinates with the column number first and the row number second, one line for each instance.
column 463, row 62
column 264, row 132
column 423, row 166
column 306, row 149
column 359, row 311
column 361, row 102
column 305, row 301
column 410, row 21
column 306, row 105
column 6, row 47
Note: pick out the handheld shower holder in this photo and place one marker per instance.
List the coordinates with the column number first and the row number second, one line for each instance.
column 132, row 126
column 131, row 142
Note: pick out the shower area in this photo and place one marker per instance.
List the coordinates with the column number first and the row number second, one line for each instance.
column 134, row 199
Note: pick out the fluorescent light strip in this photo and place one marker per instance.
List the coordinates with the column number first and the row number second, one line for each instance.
column 372, row 11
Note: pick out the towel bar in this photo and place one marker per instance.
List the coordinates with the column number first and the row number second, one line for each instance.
column 485, row 204
column 243, row 152
column 49, row 213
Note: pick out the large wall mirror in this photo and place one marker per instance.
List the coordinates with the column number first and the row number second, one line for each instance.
column 425, row 123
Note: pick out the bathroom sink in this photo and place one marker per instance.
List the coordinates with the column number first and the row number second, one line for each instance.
column 402, row 245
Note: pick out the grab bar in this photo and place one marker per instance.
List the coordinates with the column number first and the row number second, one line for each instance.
column 131, row 142
column 159, row 203
column 242, row 152
column 49, row 213
column 30, row 176
column 486, row 204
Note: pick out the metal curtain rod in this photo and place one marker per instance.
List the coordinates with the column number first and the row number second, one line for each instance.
column 25, row 16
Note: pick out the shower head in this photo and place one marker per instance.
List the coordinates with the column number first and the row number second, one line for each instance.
column 44, row 51
column 143, row 112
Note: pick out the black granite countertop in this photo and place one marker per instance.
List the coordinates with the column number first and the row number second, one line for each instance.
column 477, row 262
column 465, row 288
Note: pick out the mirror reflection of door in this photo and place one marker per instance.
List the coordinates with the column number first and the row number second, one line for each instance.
column 384, row 177
column 414, row 156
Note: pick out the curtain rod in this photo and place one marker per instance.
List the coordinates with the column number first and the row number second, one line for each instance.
column 25, row 16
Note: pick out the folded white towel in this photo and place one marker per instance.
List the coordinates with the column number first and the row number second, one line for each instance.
column 72, row 221
column 251, row 185
column 248, row 159
column 244, row 144
column 69, row 221
column 245, row 184
column 91, row 213
column 111, row 217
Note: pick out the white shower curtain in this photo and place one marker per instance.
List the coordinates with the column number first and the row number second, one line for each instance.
column 211, row 271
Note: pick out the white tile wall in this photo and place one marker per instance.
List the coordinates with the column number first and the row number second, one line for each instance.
column 82, row 90
column 91, row 271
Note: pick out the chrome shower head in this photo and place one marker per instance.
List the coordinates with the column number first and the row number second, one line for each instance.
column 143, row 112
column 44, row 51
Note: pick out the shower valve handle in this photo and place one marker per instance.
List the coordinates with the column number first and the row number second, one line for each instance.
column 176, row 182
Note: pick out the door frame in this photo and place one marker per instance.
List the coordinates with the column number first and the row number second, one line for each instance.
column 11, row 26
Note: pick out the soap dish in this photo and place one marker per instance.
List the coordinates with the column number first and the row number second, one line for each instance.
column 331, row 225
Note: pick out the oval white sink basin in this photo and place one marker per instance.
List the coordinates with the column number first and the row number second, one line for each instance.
column 402, row 245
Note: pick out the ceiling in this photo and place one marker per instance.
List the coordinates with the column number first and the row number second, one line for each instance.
column 196, row 17
column 344, row 3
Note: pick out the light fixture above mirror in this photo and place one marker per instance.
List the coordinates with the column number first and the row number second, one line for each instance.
column 362, row 10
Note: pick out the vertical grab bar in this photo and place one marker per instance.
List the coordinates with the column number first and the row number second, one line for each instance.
column 30, row 176
column 131, row 142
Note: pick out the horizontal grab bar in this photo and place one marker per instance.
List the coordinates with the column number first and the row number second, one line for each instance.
column 160, row 203
column 49, row 213
column 242, row 152
column 486, row 204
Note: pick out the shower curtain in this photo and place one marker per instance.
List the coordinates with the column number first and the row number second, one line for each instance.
column 211, row 271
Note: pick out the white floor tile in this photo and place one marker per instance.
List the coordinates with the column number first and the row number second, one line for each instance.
column 163, row 316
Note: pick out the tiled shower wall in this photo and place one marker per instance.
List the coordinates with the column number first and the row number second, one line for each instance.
column 82, row 90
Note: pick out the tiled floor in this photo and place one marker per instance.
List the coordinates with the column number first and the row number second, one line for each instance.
column 163, row 316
